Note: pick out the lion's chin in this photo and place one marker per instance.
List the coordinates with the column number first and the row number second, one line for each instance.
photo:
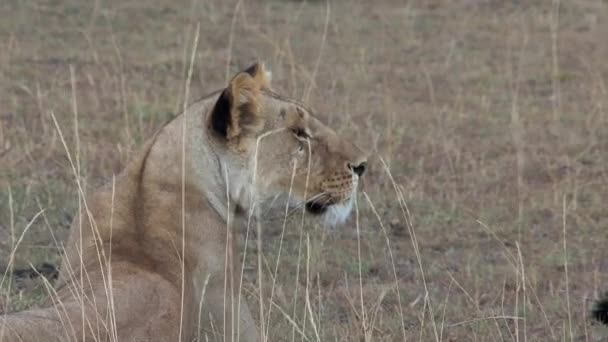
column 338, row 213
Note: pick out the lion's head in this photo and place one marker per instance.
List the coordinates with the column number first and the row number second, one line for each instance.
column 275, row 148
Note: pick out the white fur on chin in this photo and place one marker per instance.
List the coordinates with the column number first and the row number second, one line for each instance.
column 338, row 213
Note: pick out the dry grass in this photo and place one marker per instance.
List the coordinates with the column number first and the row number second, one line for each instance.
column 485, row 204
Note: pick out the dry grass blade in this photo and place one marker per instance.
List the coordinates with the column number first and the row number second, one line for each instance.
column 11, row 259
column 276, row 268
column 183, row 174
column 565, row 239
column 483, row 319
column 311, row 84
column 311, row 315
column 407, row 218
column 390, row 252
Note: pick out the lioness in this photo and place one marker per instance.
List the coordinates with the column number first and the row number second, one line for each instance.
column 148, row 246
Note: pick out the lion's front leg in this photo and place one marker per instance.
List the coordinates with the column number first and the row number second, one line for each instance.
column 221, row 315
column 222, row 312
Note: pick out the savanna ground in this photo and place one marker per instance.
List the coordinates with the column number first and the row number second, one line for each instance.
column 490, row 116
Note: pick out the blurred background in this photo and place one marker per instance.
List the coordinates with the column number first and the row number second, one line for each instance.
column 483, row 216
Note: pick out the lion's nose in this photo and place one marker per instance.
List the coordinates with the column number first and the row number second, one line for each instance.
column 358, row 169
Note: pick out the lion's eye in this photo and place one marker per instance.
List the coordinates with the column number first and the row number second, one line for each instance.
column 300, row 133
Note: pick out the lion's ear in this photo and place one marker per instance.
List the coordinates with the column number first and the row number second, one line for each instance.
column 238, row 109
column 260, row 74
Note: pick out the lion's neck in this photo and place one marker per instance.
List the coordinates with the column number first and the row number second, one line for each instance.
column 207, row 170
column 224, row 187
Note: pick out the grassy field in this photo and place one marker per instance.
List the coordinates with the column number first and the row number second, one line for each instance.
column 483, row 217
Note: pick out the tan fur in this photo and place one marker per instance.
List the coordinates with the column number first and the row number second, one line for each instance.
column 162, row 230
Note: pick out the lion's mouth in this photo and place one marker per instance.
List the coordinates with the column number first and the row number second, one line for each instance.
column 321, row 204
column 334, row 211
column 317, row 207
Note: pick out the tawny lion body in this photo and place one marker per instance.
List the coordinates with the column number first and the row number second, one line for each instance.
column 146, row 248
